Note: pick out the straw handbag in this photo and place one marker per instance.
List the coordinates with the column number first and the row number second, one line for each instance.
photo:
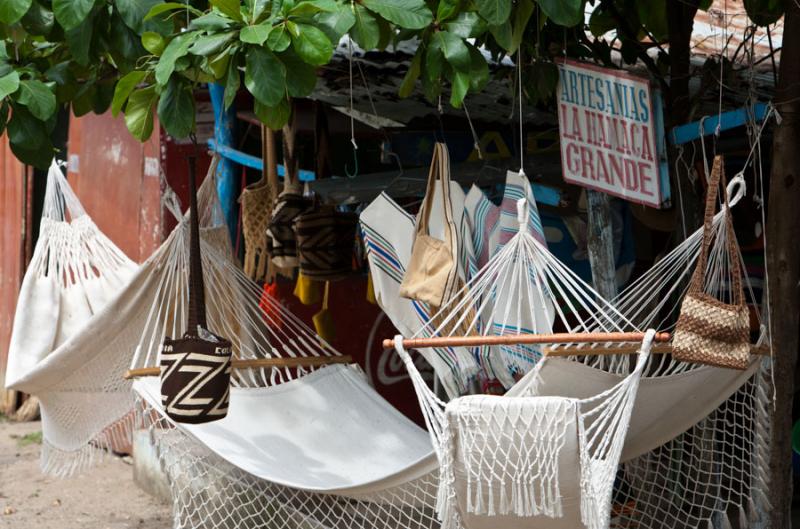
column 432, row 274
column 195, row 369
column 710, row 331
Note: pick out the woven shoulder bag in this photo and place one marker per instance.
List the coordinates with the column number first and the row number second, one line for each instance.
column 710, row 331
column 195, row 369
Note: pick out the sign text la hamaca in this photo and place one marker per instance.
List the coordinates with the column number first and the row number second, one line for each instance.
column 607, row 132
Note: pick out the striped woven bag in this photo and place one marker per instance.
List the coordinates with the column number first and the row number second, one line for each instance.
column 710, row 331
column 195, row 369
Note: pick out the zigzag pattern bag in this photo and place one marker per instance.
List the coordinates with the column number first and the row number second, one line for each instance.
column 710, row 331
column 195, row 369
column 325, row 240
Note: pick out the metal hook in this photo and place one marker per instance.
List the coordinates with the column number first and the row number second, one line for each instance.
column 355, row 161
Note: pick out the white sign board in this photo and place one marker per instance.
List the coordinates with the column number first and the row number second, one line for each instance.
column 607, row 132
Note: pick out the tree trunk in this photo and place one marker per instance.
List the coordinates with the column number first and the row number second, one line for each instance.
column 680, row 23
column 783, row 262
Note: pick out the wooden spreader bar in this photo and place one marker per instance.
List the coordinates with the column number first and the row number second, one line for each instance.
column 758, row 350
column 519, row 339
column 256, row 363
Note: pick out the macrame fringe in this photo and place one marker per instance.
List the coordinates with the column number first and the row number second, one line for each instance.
column 66, row 463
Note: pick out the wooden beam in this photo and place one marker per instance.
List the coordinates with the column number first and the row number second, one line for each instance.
column 257, row 363
column 521, row 339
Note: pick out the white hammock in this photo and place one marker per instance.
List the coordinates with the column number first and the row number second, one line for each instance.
column 75, row 270
column 536, row 461
column 660, row 434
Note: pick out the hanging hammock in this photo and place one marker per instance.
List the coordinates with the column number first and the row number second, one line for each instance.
column 525, row 269
column 74, row 271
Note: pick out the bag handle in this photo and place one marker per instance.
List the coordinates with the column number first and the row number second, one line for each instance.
column 699, row 276
column 440, row 166
column 197, row 301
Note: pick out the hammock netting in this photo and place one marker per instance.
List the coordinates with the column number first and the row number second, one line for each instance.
column 709, row 474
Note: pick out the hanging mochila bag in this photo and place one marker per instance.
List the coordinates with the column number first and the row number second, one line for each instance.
column 325, row 241
column 195, row 369
column 710, row 331
column 432, row 274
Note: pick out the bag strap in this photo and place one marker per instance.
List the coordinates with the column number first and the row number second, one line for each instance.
column 197, row 302
column 699, row 276
column 440, row 169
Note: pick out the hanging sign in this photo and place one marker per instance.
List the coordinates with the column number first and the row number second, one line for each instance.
column 608, row 132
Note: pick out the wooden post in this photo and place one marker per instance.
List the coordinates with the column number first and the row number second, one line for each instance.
column 783, row 265
column 600, row 242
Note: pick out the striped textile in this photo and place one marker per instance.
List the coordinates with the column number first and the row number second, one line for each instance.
column 491, row 227
column 388, row 233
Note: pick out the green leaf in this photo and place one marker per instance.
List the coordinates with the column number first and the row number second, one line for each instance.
column 335, row 24
column 312, row 45
column 274, row 117
column 3, row 116
column 229, row 8
column 278, row 39
column 653, row 16
column 39, row 99
column 38, row 20
column 434, row 59
column 521, row 16
column 301, row 77
column 177, row 48
column 410, row 14
column 265, row 76
column 446, row 9
column 496, row 12
column 411, row 76
column 454, row 50
column 365, row 31
column 124, row 88
column 153, row 42
column 70, row 13
column 312, row 7
column 83, row 100
column 139, row 112
column 11, row 11
column 206, row 45
column 257, row 8
column 232, row 82
column 764, row 12
column 211, row 22
column 563, row 12
column 466, row 25
column 79, row 41
column 103, row 96
column 176, row 109
column 134, row 13
column 255, row 34
column 478, row 70
column 9, row 84
column 170, row 6
column 459, row 89
column 502, row 34
column 25, row 129
column 601, row 22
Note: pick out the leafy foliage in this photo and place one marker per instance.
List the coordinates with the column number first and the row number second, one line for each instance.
column 145, row 57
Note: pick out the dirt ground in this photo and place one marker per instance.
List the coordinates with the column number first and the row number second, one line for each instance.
column 103, row 498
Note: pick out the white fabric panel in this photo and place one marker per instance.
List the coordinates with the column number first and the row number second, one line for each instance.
column 328, row 431
column 666, row 406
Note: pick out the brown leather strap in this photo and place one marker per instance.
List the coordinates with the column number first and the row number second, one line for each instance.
column 699, row 276
column 197, row 302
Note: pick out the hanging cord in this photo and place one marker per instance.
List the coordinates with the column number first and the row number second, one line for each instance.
column 352, row 119
column 679, row 160
column 703, row 148
column 475, row 142
column 519, row 97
